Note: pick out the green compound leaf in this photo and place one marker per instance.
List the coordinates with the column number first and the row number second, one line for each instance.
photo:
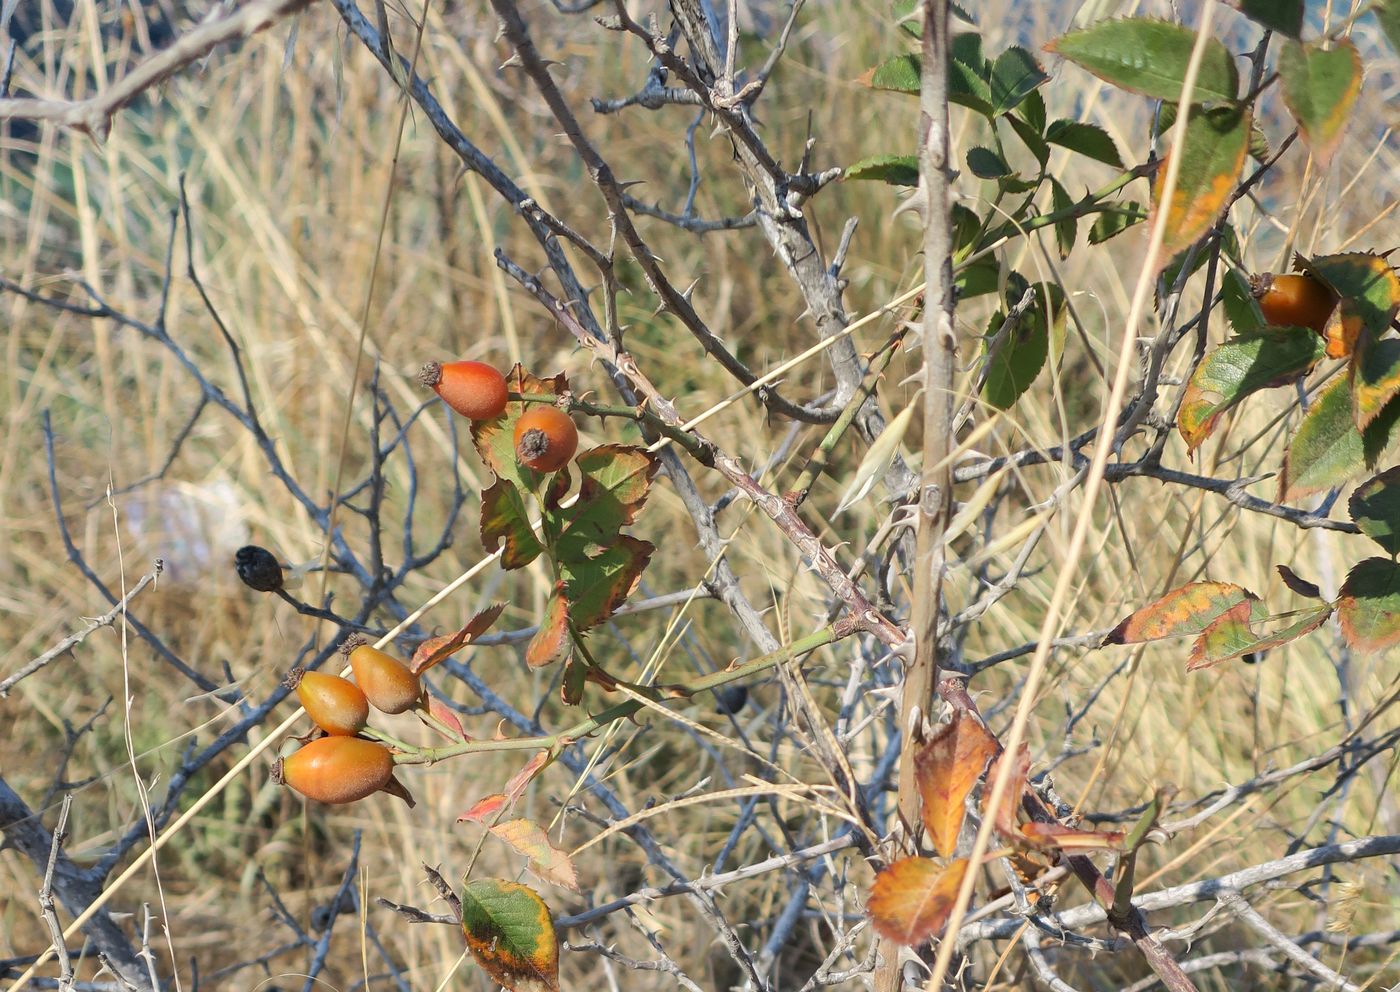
column 1212, row 154
column 511, row 935
column 1185, row 611
column 1328, row 450
column 1375, row 508
column 897, row 170
column 899, row 75
column 987, row 164
column 1065, row 230
column 1088, row 140
column 505, row 521
column 1369, row 605
column 1150, row 57
column 1320, row 89
column 1241, row 308
column 1238, row 368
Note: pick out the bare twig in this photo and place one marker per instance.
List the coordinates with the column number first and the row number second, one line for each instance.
column 73, row 640
column 46, row 906
column 94, row 115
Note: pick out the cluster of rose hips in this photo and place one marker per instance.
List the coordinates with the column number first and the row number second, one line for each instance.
column 545, row 438
column 341, row 766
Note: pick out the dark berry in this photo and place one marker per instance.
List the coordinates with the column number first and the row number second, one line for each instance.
column 258, row 568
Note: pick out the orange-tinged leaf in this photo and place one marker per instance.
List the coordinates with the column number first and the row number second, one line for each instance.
column 912, row 898
column 1320, row 88
column 1070, row 839
column 597, row 586
column 1369, row 605
column 1004, row 816
column 946, row 769
column 436, row 649
column 552, row 642
column 1213, row 152
column 546, row 861
column 444, row 715
column 485, row 810
column 1184, row 611
column 515, row 788
column 511, row 935
column 1233, row 635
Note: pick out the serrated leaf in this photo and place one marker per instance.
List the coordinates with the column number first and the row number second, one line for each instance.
column 1150, row 57
column 505, row 524
column 552, row 642
column 1066, row 229
column 1233, row 635
column 1327, row 449
column 614, row 480
column 436, row 649
column 1375, row 508
column 485, row 810
column 897, row 170
column 445, row 716
column 1388, row 14
column 1375, row 377
column 1239, row 368
column 1113, row 221
column 1185, row 611
column 1212, row 154
column 1016, row 354
column 494, row 439
column 878, row 459
column 946, row 769
column 511, row 935
column 909, row 15
column 911, row 899
column 1320, row 89
column 987, row 164
column 1087, row 139
column 1365, row 283
column 597, row 586
column 1030, row 137
column 547, row 862
column 1369, row 605
column 1015, row 74
column 898, row 75
column 1283, row 16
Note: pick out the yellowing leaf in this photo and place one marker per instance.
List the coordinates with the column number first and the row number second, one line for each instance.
column 946, row 769
column 552, row 642
column 878, row 459
column 1187, row 610
column 1212, row 154
column 436, row 649
column 511, row 935
column 911, row 899
column 1320, row 88
column 546, row 861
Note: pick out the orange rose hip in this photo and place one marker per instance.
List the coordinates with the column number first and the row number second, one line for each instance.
column 337, row 770
column 545, row 438
column 474, row 389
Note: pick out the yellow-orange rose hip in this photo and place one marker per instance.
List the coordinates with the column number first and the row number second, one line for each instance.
column 337, row 770
column 1293, row 300
column 335, row 704
column 386, row 682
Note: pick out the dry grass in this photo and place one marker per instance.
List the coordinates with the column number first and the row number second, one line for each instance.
column 286, row 155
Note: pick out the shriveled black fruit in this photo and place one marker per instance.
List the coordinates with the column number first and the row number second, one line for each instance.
column 258, row 568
